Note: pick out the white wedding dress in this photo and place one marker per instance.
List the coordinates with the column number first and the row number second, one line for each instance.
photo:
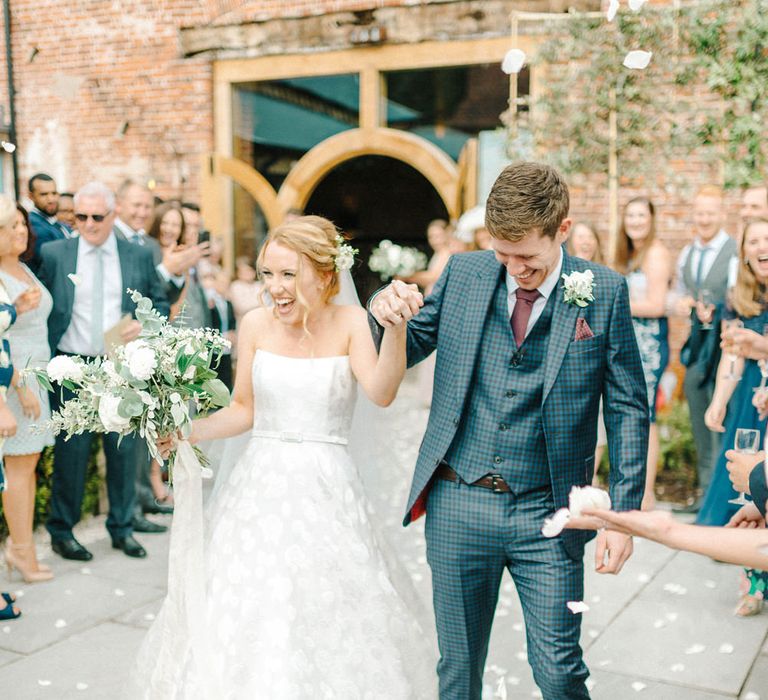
column 299, row 601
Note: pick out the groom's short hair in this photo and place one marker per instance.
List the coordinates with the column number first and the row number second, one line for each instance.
column 526, row 197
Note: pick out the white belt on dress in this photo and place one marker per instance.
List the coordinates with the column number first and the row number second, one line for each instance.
column 289, row 436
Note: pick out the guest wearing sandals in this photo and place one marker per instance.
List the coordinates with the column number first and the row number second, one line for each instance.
column 734, row 396
column 28, row 339
column 647, row 264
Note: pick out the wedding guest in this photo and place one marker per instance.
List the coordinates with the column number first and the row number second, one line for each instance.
column 748, row 475
column 133, row 213
column 43, row 217
column 583, row 243
column 245, row 290
column 647, row 265
column 736, row 378
column 223, row 320
column 754, row 203
column 66, row 213
column 702, row 279
column 106, row 267
column 25, row 399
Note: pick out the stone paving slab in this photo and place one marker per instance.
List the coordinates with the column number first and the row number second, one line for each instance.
column 7, row 657
column 69, row 604
column 143, row 615
column 614, row 686
column 99, row 658
column 757, row 682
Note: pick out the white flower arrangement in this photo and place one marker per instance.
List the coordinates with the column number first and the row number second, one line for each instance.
column 390, row 259
column 345, row 255
column 146, row 387
column 578, row 288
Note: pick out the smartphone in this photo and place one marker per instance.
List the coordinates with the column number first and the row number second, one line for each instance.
column 204, row 237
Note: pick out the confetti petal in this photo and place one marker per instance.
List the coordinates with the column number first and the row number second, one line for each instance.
column 85, row 570
column 82, row 686
column 675, row 588
column 695, row 649
column 521, row 656
column 593, row 634
column 6, row 630
column 554, row 526
column 671, row 616
column 710, row 584
column 637, row 60
column 595, row 599
column 513, row 61
column 643, row 578
column 751, row 696
column 582, row 497
column 577, row 606
column 677, row 668
column 149, row 616
column 635, row 5
column 43, row 683
column 119, row 592
column 613, row 8
column 60, row 623
column 726, row 648
column 658, row 624
column 637, row 686
column 605, row 662
column 518, row 627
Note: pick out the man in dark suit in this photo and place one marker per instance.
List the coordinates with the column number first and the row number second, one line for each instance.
column 42, row 218
column 88, row 277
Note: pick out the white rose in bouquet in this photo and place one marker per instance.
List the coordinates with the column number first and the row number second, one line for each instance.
column 140, row 359
column 390, row 259
column 109, row 416
column 62, row 368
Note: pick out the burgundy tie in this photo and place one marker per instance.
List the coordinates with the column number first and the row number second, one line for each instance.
column 522, row 312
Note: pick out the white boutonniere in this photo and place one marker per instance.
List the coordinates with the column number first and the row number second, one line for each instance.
column 578, row 288
column 75, row 279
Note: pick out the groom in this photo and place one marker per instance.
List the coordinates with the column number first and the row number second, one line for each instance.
column 518, row 380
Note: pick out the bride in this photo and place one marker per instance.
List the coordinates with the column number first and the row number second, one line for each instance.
column 299, row 601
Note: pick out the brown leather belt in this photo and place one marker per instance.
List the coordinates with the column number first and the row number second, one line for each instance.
column 494, row 482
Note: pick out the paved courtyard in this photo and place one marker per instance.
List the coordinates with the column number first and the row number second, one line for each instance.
column 663, row 629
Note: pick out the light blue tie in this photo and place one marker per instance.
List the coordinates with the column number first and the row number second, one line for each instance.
column 97, row 303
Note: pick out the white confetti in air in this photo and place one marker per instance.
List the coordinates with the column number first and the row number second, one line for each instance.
column 60, row 623
column 43, row 683
column 513, row 61
column 726, row 648
column 643, row 578
column 75, row 279
column 613, row 8
column 635, row 5
column 119, row 592
column 149, row 616
column 637, row 60
column 637, row 686
column 695, row 649
column 85, row 570
column 82, row 686
column 6, row 630
column 677, row 668
column 577, row 606
column 554, row 526
column 710, row 584
column 675, row 588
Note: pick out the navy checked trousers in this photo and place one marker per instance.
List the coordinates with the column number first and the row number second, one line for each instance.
column 473, row 534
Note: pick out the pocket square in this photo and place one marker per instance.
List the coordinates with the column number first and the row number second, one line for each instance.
column 583, row 331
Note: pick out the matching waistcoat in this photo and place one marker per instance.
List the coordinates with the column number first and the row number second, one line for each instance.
column 716, row 280
column 501, row 430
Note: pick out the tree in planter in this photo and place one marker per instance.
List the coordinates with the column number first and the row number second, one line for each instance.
column 728, row 46
column 594, row 116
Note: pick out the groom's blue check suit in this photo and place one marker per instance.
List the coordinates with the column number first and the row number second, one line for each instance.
column 530, row 415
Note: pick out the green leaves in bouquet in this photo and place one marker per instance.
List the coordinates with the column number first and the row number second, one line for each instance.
column 131, row 405
column 218, row 392
column 151, row 321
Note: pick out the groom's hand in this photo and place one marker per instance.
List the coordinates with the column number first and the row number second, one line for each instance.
column 612, row 551
column 398, row 303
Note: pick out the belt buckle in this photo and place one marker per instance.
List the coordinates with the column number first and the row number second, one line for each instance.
column 496, row 479
column 287, row 436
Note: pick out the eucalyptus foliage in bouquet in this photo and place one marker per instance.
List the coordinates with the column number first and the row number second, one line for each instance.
column 390, row 259
column 146, row 387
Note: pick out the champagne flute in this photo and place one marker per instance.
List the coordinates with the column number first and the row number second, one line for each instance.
column 732, row 357
column 746, row 442
column 763, row 365
column 706, row 299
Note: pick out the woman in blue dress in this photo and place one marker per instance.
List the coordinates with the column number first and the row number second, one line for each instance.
column 733, row 397
column 647, row 264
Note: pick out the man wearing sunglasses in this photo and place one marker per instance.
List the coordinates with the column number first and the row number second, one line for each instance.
column 88, row 277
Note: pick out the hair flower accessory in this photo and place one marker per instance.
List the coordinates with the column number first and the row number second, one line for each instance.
column 345, row 254
column 578, row 288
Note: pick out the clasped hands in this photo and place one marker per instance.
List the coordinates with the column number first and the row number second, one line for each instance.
column 396, row 304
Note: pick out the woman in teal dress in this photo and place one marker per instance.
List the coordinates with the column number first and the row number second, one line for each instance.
column 731, row 407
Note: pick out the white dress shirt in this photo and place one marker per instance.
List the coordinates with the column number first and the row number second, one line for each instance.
column 77, row 337
column 545, row 289
column 710, row 251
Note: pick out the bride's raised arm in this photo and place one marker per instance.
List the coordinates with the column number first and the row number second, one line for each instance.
column 238, row 416
column 379, row 375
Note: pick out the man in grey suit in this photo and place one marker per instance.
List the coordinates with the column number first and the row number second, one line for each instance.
column 524, row 355
column 105, row 268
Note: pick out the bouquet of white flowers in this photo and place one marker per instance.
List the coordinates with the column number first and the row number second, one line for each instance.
column 390, row 259
column 146, row 387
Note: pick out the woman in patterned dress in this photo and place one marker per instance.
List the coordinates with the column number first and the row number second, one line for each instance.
column 647, row 264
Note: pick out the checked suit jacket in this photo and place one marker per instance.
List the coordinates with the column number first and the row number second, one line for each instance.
column 59, row 259
column 579, row 372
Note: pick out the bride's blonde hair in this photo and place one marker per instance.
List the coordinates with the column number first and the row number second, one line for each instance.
column 314, row 239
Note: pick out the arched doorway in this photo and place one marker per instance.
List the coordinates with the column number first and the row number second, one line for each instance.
column 374, row 197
